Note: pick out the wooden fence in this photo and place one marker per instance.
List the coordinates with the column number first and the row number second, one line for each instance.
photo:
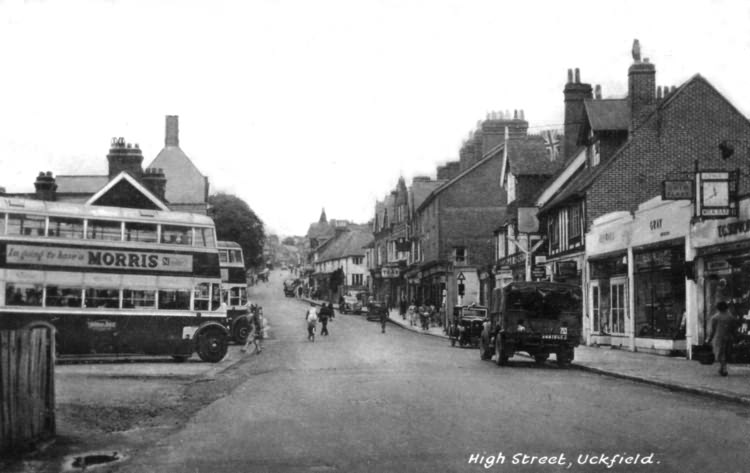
column 27, row 387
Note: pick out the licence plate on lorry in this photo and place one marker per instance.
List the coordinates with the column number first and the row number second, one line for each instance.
column 554, row 337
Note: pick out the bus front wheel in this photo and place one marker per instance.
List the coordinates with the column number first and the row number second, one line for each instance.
column 241, row 331
column 212, row 345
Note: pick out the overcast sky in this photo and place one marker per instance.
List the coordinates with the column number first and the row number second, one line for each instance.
column 297, row 105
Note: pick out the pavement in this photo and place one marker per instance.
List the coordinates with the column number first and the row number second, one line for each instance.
column 674, row 373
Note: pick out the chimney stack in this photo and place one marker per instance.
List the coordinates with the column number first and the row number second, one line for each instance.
column 45, row 186
column 575, row 94
column 641, row 87
column 124, row 157
column 156, row 182
column 172, row 135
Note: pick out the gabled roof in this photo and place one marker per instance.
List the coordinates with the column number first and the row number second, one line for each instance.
column 345, row 244
column 581, row 182
column 183, row 177
column 607, row 114
column 489, row 155
column 419, row 191
column 69, row 184
column 320, row 229
column 118, row 181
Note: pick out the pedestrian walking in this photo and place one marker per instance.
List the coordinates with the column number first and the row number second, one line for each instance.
column 331, row 312
column 402, row 307
column 383, row 320
column 312, row 321
column 412, row 313
column 257, row 333
column 323, row 316
column 723, row 326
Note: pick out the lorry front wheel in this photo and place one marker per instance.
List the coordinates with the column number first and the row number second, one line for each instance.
column 502, row 356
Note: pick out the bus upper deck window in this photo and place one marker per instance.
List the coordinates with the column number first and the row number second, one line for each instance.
column 141, row 232
column 236, row 256
column 176, row 235
column 205, row 237
column 22, row 224
column 19, row 294
column 104, row 230
column 61, row 227
column 223, row 256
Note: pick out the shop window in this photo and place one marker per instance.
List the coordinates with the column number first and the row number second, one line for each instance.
column 138, row 299
column 596, row 309
column 660, row 294
column 176, row 235
column 60, row 227
column 102, row 298
column 140, row 232
column 27, row 225
column 201, row 296
column 174, row 299
column 19, row 294
column 618, row 307
column 63, row 296
column 104, row 230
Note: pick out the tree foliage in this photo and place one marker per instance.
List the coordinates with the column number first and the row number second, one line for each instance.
column 289, row 241
column 235, row 221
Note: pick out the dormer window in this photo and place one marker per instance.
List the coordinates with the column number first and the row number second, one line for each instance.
column 592, row 151
column 511, row 188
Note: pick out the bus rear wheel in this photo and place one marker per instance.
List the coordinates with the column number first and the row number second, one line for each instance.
column 212, row 345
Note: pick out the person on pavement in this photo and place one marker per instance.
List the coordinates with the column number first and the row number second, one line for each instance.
column 312, row 321
column 257, row 326
column 722, row 328
column 323, row 319
column 383, row 320
column 402, row 307
column 411, row 311
column 331, row 312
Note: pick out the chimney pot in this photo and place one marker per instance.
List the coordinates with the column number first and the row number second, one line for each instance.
column 578, row 76
column 598, row 92
column 570, row 76
column 172, row 134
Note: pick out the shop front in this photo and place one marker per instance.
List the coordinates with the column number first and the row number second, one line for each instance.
column 607, row 320
column 660, row 304
column 722, row 269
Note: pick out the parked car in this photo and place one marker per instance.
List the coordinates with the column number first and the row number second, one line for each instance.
column 538, row 318
column 375, row 309
column 467, row 324
column 351, row 305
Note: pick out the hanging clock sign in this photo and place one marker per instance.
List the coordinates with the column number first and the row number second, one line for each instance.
column 716, row 193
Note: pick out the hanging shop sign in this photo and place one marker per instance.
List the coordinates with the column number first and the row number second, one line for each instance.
column 716, row 193
column 390, row 272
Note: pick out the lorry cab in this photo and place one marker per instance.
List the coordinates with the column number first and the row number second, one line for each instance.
column 538, row 318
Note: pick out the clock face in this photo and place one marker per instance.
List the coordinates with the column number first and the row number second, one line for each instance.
column 715, row 194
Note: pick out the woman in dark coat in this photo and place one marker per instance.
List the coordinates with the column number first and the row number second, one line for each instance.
column 723, row 327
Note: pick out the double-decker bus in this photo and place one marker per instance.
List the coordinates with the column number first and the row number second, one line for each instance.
column 112, row 280
column 234, row 289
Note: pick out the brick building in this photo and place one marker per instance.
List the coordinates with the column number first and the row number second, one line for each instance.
column 619, row 152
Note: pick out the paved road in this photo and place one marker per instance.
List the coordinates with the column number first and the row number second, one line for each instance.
column 360, row 400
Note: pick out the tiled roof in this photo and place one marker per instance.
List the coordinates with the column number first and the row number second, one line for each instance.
column 530, row 157
column 580, row 182
column 319, row 229
column 67, row 184
column 347, row 243
column 421, row 189
column 608, row 114
column 185, row 183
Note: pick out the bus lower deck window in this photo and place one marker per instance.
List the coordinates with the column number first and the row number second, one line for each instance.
column 174, row 299
column 103, row 298
column 201, row 296
column 132, row 299
column 20, row 294
column 63, row 296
